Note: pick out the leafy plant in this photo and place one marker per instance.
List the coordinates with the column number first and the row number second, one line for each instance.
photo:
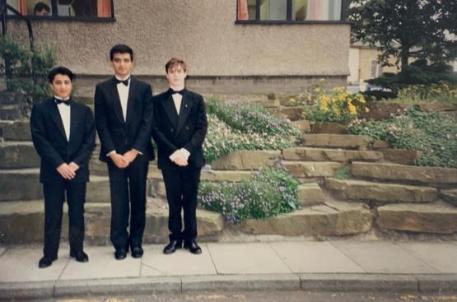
column 434, row 134
column 233, row 128
column 270, row 192
column 337, row 106
column 250, row 118
column 17, row 65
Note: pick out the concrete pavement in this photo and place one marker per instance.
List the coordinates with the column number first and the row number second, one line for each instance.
column 340, row 265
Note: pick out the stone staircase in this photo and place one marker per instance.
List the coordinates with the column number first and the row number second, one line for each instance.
column 381, row 192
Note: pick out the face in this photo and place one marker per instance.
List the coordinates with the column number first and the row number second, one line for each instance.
column 61, row 86
column 176, row 76
column 42, row 12
column 122, row 64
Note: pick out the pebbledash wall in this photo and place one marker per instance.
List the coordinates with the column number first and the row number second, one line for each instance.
column 224, row 57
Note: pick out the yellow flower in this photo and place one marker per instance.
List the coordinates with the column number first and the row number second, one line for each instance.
column 352, row 109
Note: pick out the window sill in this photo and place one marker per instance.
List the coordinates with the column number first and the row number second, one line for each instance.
column 67, row 19
column 285, row 22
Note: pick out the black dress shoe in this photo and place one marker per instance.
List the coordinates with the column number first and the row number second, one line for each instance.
column 136, row 251
column 192, row 246
column 120, row 254
column 45, row 262
column 79, row 256
column 172, row 246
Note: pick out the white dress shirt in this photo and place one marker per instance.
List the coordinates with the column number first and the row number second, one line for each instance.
column 177, row 99
column 64, row 111
column 123, row 95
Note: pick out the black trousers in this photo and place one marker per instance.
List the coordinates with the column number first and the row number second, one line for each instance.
column 54, row 197
column 128, row 195
column 181, row 185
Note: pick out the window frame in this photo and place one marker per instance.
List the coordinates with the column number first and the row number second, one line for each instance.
column 343, row 16
column 67, row 18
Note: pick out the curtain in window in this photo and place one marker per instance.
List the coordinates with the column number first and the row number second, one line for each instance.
column 334, row 12
column 104, row 8
column 22, row 6
column 324, row 10
column 243, row 13
column 314, row 10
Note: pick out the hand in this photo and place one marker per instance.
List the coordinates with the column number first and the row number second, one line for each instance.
column 180, row 161
column 130, row 155
column 74, row 166
column 178, row 158
column 119, row 161
column 66, row 172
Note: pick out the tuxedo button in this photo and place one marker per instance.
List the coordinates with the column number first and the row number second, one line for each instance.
column 187, row 127
column 171, row 130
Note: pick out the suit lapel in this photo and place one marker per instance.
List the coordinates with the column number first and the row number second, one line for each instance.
column 73, row 121
column 184, row 111
column 55, row 115
column 131, row 99
column 117, row 102
column 169, row 107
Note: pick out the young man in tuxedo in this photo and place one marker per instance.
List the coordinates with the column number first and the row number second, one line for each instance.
column 63, row 133
column 123, row 112
column 179, row 129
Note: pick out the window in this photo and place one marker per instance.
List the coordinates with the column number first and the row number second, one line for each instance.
column 375, row 69
column 290, row 11
column 64, row 8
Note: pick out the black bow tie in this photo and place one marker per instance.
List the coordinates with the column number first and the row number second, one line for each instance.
column 58, row 102
column 125, row 82
column 172, row 91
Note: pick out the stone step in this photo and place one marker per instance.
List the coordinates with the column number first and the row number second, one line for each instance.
column 156, row 186
column 437, row 218
column 10, row 98
column 405, row 173
column 344, row 141
column 210, row 175
column 246, row 160
column 11, row 112
column 311, row 168
column 15, row 130
column 18, row 155
column 449, row 196
column 327, row 154
column 331, row 219
column 22, row 223
column 292, row 113
column 310, row 194
column 23, row 185
column 380, row 192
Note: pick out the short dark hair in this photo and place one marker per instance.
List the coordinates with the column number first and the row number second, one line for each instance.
column 175, row 61
column 120, row 48
column 41, row 6
column 60, row 70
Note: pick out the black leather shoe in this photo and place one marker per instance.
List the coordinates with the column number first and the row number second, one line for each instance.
column 79, row 256
column 192, row 246
column 172, row 246
column 45, row 262
column 136, row 251
column 120, row 254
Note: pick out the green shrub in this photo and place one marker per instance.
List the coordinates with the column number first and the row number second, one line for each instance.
column 232, row 128
column 250, row 118
column 441, row 91
column 418, row 73
column 434, row 134
column 268, row 193
column 18, row 63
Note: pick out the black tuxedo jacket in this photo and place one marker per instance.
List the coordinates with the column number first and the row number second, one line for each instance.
column 117, row 134
column 49, row 139
column 186, row 130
